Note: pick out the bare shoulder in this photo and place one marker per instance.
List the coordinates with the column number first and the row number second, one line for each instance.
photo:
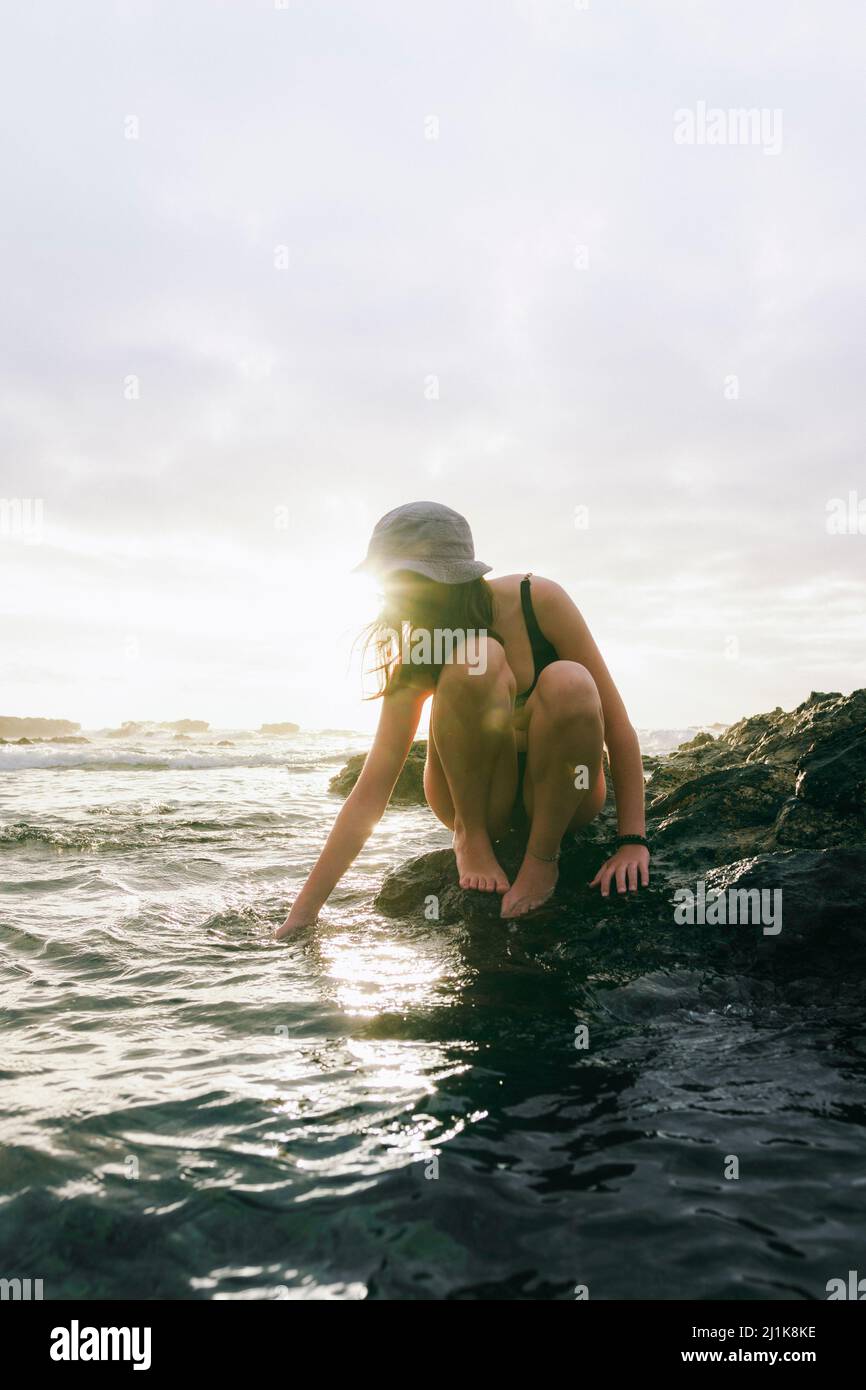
column 506, row 593
column 548, row 597
column 564, row 625
column 508, row 585
column 505, row 584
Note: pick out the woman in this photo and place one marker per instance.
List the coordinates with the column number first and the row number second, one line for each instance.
column 522, row 706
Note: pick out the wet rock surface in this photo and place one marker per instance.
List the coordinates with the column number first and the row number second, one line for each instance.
column 821, row 897
column 783, row 780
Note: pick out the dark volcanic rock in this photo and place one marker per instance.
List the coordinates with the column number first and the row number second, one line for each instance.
column 832, row 774
column 718, row 815
column 821, row 898
column 775, row 781
column 409, row 790
column 428, row 887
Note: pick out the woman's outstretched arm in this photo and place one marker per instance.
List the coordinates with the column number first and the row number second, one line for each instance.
column 364, row 806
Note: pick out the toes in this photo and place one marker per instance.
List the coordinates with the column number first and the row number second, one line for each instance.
column 482, row 884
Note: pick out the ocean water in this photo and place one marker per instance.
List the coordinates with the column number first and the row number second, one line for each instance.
column 380, row 1108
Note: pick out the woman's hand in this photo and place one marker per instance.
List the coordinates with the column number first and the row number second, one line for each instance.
column 298, row 917
column 627, row 867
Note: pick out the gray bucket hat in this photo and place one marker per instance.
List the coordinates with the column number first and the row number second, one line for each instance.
column 428, row 539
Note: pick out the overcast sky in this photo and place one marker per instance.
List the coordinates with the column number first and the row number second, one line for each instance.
column 362, row 253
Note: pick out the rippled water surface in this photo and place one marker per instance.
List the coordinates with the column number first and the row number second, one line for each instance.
column 380, row 1109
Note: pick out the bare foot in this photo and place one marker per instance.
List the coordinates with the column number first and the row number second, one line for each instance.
column 532, row 887
column 477, row 865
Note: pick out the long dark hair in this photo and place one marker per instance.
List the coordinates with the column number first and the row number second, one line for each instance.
column 414, row 604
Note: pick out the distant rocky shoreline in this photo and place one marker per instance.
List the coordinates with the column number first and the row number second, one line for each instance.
column 15, row 727
column 27, row 729
column 57, row 738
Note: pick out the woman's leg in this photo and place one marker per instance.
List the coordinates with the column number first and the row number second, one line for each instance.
column 471, row 774
column 564, row 785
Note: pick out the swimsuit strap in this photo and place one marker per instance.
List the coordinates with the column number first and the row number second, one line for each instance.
column 543, row 651
column 536, row 636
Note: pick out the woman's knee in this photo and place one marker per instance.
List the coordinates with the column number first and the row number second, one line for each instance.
column 567, row 691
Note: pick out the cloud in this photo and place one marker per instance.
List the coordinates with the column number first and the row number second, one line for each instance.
column 236, row 317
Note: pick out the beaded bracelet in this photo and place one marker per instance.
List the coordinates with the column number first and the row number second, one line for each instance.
column 632, row 840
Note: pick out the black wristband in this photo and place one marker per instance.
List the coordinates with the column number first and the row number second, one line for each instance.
column 632, row 840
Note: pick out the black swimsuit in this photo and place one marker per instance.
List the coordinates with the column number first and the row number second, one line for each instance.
column 543, row 652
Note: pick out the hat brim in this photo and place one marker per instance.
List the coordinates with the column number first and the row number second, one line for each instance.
column 441, row 571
